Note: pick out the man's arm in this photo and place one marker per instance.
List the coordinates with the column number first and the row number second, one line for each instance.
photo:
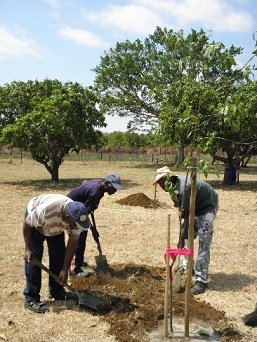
column 27, row 231
column 69, row 253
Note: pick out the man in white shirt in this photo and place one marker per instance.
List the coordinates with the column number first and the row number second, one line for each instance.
column 47, row 217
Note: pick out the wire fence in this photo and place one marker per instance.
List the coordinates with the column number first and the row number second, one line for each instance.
column 153, row 157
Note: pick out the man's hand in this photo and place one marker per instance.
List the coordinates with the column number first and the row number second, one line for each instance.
column 63, row 277
column 181, row 213
column 27, row 255
column 181, row 243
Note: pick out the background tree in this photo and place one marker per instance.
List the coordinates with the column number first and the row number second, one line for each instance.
column 130, row 140
column 238, row 126
column 49, row 119
column 116, row 139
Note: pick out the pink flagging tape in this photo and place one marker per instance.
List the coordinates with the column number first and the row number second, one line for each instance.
column 173, row 252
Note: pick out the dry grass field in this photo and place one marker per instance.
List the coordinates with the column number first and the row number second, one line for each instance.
column 131, row 236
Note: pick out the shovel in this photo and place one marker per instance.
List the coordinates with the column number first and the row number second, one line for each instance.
column 83, row 298
column 177, row 277
column 101, row 262
column 179, row 270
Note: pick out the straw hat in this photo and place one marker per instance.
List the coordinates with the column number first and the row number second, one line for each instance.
column 161, row 173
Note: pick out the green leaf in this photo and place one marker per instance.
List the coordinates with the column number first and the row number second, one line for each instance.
column 202, row 165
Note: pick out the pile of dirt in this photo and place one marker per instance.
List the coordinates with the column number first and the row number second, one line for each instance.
column 140, row 200
column 136, row 294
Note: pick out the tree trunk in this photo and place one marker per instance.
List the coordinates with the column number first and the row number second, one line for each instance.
column 229, row 175
column 180, row 155
column 55, row 174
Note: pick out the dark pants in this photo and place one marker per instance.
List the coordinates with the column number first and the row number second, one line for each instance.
column 56, row 252
column 78, row 259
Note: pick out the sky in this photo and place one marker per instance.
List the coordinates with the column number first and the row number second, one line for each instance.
column 64, row 39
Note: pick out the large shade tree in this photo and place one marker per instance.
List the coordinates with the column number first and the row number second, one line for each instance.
column 49, row 119
column 181, row 83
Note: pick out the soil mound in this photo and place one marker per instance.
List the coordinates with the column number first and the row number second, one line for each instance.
column 138, row 199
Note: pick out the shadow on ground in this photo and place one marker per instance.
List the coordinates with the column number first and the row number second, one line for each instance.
column 222, row 282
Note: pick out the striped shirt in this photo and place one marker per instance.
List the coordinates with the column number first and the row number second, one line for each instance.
column 46, row 214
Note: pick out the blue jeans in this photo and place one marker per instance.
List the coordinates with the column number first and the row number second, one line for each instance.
column 80, row 250
column 33, row 273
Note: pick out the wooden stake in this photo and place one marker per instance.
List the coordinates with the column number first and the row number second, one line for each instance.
column 167, row 287
column 170, row 279
column 154, row 197
column 155, row 187
column 190, row 245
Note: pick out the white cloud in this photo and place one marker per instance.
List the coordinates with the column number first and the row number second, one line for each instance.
column 14, row 46
column 129, row 18
column 82, row 37
column 53, row 3
column 216, row 15
column 60, row 3
column 142, row 16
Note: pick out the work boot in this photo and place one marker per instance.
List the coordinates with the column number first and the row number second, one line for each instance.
column 251, row 319
column 198, row 288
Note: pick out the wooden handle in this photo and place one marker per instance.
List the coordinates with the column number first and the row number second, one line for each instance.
column 35, row 261
column 95, row 234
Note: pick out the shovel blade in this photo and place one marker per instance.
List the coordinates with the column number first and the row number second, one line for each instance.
column 102, row 266
column 93, row 303
column 83, row 298
column 177, row 281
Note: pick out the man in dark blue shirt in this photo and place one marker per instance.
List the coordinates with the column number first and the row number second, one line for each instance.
column 90, row 193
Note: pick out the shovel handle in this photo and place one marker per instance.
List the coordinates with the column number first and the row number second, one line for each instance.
column 95, row 234
column 36, row 262
column 84, row 298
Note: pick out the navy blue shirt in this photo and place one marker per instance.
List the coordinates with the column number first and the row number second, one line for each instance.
column 89, row 192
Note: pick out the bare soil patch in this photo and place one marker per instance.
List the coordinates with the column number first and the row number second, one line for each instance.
column 136, row 294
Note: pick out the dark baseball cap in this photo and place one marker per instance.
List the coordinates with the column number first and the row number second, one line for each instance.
column 115, row 181
column 79, row 214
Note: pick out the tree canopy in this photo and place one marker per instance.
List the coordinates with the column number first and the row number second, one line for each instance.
column 49, row 119
column 188, row 87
